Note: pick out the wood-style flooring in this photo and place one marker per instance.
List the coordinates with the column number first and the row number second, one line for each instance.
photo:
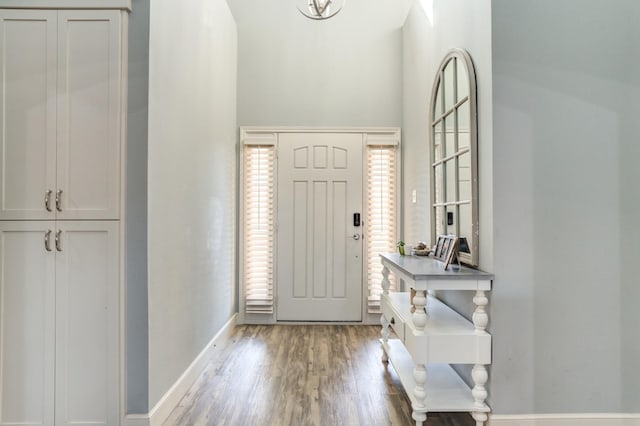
column 320, row 375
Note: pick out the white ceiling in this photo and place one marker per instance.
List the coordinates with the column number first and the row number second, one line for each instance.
column 389, row 14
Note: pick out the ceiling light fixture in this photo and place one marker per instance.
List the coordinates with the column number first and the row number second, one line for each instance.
column 319, row 10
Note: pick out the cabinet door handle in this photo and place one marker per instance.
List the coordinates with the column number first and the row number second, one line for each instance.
column 59, row 200
column 58, row 243
column 47, row 200
column 47, row 240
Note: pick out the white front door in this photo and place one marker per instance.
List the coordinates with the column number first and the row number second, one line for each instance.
column 319, row 260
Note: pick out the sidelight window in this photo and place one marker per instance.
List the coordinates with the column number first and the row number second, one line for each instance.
column 258, row 229
column 381, row 217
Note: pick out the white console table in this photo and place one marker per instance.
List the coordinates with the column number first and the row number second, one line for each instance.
column 429, row 341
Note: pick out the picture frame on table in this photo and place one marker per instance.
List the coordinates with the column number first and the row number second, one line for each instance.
column 451, row 253
column 437, row 251
column 446, row 249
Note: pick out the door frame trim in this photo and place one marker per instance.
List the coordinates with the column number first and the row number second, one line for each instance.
column 252, row 135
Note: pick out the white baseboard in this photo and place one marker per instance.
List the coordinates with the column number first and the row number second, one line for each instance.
column 136, row 420
column 170, row 400
column 577, row 419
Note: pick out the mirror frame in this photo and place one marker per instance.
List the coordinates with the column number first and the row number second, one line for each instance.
column 459, row 56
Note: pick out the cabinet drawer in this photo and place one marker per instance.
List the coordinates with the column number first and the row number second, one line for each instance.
column 395, row 320
column 398, row 327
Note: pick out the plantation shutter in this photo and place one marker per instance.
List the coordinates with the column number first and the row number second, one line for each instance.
column 258, row 229
column 381, row 217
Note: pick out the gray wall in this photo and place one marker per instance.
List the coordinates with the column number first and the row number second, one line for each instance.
column 136, row 215
column 191, row 217
column 564, row 309
column 455, row 23
column 558, row 220
column 346, row 71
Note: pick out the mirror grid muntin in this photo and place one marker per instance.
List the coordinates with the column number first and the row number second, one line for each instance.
column 453, row 150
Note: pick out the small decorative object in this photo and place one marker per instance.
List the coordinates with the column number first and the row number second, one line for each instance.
column 400, row 246
column 421, row 249
column 446, row 249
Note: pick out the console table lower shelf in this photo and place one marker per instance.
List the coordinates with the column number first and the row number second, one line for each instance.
column 446, row 391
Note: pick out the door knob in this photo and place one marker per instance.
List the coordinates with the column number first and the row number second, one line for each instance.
column 356, row 236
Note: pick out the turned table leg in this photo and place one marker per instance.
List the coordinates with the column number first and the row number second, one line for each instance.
column 479, row 417
column 480, row 376
column 383, row 321
column 385, row 337
column 479, row 372
column 480, row 316
column 420, row 418
column 385, row 280
column 419, row 315
column 419, row 318
column 420, row 392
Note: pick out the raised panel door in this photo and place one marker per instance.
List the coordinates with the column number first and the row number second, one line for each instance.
column 28, row 58
column 27, row 323
column 87, row 266
column 319, row 266
column 89, row 114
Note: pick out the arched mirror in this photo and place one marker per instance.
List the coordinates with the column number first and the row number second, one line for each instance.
column 453, row 143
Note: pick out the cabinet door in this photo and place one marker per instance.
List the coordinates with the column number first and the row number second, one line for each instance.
column 28, row 55
column 89, row 113
column 27, row 294
column 87, row 323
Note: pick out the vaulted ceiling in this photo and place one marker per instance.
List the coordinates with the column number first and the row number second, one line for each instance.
column 361, row 15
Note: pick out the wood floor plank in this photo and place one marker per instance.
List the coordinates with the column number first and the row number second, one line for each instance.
column 316, row 375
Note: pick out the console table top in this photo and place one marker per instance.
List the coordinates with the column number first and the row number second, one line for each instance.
column 427, row 268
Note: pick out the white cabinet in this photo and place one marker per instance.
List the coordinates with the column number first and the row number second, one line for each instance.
column 87, row 269
column 27, row 323
column 58, row 322
column 62, row 94
column 60, row 114
column 28, row 57
column 431, row 336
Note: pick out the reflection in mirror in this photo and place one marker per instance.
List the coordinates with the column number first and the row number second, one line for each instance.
column 439, row 181
column 463, row 115
column 450, row 183
column 437, row 111
column 463, row 81
column 449, row 84
column 464, row 178
column 449, row 147
column 439, row 221
column 465, row 219
column 453, row 140
column 452, row 219
column 437, row 141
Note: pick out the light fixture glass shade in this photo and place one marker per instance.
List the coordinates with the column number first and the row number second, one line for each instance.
column 320, row 9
